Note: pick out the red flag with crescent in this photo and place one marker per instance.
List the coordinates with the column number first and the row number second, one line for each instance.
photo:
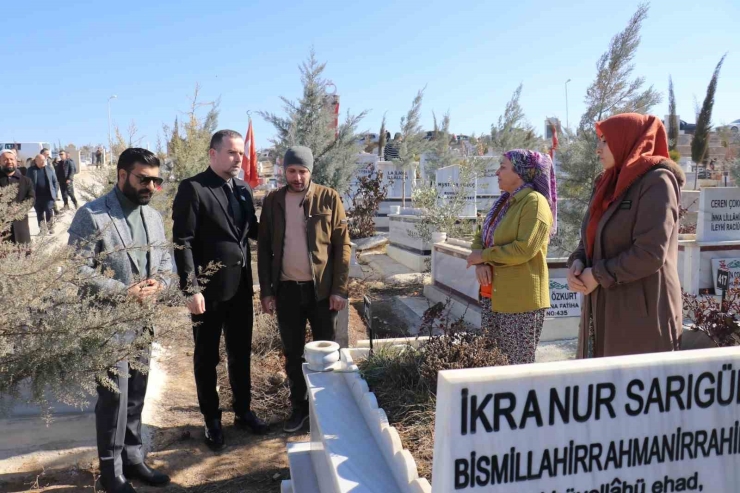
column 249, row 161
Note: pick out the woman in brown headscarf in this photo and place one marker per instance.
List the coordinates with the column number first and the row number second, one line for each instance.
column 626, row 262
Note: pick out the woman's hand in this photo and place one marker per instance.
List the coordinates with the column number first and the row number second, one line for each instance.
column 589, row 281
column 574, row 281
column 475, row 258
column 484, row 274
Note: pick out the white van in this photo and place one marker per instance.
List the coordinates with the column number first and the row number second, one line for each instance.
column 25, row 150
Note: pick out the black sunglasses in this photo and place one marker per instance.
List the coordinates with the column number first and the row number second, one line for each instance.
column 146, row 180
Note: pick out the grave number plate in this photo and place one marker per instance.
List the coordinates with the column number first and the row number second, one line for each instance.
column 723, row 279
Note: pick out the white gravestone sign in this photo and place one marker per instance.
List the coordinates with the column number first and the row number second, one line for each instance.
column 487, row 189
column 448, row 184
column 660, row 422
column 563, row 302
column 719, row 214
column 731, row 265
column 393, row 177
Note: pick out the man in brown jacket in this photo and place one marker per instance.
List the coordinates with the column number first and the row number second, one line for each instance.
column 303, row 257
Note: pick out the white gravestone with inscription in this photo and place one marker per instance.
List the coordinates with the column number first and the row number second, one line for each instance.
column 448, row 184
column 487, row 189
column 719, row 214
column 563, row 302
column 659, row 422
column 393, row 177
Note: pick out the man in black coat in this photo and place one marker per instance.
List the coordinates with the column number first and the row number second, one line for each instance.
column 66, row 170
column 9, row 175
column 213, row 216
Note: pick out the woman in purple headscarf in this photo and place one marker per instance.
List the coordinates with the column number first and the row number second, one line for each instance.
column 510, row 252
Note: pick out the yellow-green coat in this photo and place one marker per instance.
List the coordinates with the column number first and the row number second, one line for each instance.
column 519, row 257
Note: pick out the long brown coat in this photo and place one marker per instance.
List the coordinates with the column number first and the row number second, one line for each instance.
column 637, row 307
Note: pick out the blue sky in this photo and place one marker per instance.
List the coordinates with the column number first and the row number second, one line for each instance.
column 63, row 61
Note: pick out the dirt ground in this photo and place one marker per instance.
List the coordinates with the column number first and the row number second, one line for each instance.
column 249, row 464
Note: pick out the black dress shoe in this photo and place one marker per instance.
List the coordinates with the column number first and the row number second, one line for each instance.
column 214, row 434
column 146, row 474
column 115, row 484
column 250, row 421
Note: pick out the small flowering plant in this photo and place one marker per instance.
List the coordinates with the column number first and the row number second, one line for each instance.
column 720, row 321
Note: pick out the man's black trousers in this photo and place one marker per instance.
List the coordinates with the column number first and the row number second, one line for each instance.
column 68, row 192
column 296, row 304
column 234, row 318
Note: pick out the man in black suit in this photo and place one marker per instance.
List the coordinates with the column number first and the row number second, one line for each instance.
column 66, row 170
column 213, row 216
column 9, row 175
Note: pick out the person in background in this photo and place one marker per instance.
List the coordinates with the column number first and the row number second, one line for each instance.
column 46, row 187
column 99, row 157
column 53, row 165
column 626, row 263
column 214, row 216
column 510, row 254
column 24, row 169
column 66, row 170
column 392, row 147
column 122, row 235
column 303, row 256
column 19, row 232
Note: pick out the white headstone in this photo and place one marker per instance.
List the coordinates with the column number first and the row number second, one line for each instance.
column 659, row 422
column 563, row 301
column 448, row 184
column 731, row 265
column 393, row 177
column 719, row 214
column 487, row 189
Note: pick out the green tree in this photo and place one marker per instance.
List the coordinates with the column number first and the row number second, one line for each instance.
column 413, row 143
column 613, row 91
column 672, row 118
column 56, row 335
column 310, row 122
column 700, row 142
column 735, row 171
column 382, row 138
column 444, row 215
column 512, row 130
column 188, row 142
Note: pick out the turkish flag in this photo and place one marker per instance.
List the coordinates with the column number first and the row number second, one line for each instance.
column 249, row 161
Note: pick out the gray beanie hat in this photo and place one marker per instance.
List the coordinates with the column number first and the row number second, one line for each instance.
column 299, row 155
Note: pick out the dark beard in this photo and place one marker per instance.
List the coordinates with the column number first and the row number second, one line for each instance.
column 8, row 171
column 141, row 197
column 305, row 188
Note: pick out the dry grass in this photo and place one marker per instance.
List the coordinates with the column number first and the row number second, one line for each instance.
column 405, row 380
column 270, row 390
column 406, row 398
